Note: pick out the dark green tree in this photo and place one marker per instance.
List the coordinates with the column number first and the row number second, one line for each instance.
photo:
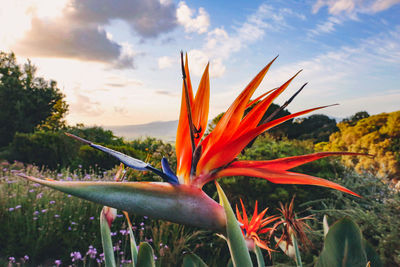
column 316, row 127
column 352, row 120
column 27, row 101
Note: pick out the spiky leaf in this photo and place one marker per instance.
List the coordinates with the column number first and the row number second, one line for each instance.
column 236, row 242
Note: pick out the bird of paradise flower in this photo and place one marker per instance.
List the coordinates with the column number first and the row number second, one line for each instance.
column 201, row 159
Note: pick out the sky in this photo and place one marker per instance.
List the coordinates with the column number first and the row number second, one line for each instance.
column 117, row 62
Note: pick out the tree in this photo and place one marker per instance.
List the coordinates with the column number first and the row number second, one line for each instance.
column 352, row 120
column 27, row 101
column 378, row 135
column 316, row 127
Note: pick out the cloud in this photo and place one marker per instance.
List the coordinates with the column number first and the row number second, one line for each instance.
column 371, row 66
column 78, row 29
column 164, row 92
column 336, row 7
column 326, row 27
column 60, row 39
column 165, row 62
column 189, row 21
column 85, row 106
column 221, row 44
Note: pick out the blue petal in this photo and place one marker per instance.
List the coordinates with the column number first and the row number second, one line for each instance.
column 172, row 179
column 127, row 160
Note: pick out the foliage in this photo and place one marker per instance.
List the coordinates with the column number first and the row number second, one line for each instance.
column 377, row 213
column 27, row 101
column 345, row 246
column 55, row 150
column 316, row 127
column 352, row 120
column 378, row 135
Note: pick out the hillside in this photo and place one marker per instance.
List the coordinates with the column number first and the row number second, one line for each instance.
column 164, row 130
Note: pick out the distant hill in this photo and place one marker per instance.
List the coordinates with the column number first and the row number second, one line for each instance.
column 164, row 130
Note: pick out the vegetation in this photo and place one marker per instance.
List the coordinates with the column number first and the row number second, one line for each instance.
column 35, row 221
column 378, row 135
column 27, row 101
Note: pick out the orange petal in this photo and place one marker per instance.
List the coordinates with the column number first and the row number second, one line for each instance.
column 283, row 164
column 234, row 114
column 222, row 154
column 284, row 177
column 201, row 105
column 183, row 143
column 245, row 219
column 258, row 98
column 255, row 115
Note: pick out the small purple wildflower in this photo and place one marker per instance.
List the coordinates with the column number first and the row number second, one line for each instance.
column 155, row 257
column 73, row 223
column 40, row 195
column 56, row 216
column 76, row 255
column 44, row 210
column 18, row 207
column 123, row 232
column 31, row 190
column 36, row 185
column 35, row 212
column 26, row 258
column 69, row 228
column 52, row 202
column 91, row 218
column 121, row 253
column 145, row 217
column 113, row 233
column 68, row 195
column 92, row 252
column 59, row 174
column 11, row 259
column 142, row 224
column 119, row 215
column 35, row 218
column 11, row 209
column 57, row 262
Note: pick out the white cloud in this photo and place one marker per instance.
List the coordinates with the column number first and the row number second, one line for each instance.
column 336, row 76
column 190, row 21
column 336, row 7
column 326, row 27
column 221, row 44
column 165, row 62
column 75, row 28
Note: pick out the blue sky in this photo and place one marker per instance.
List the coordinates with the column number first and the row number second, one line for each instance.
column 117, row 62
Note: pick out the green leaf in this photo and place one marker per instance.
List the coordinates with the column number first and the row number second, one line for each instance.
column 134, row 251
column 237, row 245
column 106, row 241
column 297, row 252
column 372, row 256
column 192, row 260
column 174, row 203
column 259, row 255
column 145, row 256
column 343, row 246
